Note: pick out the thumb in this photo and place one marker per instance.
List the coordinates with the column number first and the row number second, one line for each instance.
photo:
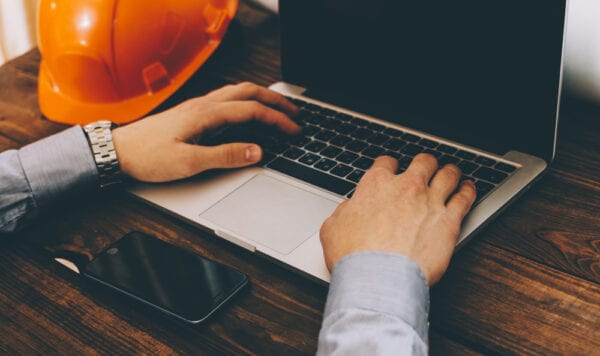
column 231, row 155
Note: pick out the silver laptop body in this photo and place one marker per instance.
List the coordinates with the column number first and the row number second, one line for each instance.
column 279, row 215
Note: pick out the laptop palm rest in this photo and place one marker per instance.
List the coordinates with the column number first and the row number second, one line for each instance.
column 271, row 212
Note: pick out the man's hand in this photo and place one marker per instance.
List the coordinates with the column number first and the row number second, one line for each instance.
column 417, row 213
column 160, row 147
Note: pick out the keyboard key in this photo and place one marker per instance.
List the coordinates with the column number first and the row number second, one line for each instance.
column 331, row 151
column 299, row 140
column 341, row 170
column 327, row 112
column 490, row 175
column 428, row 143
column 403, row 163
column 315, row 146
column 356, row 175
column 446, row 149
column 482, row 189
column 312, row 176
column 279, row 147
column 349, row 195
column 485, row 161
column 325, row 135
column 345, row 129
column 377, row 138
column 267, row 157
column 393, row 132
column 307, row 117
column 435, row 154
column 310, row 159
column 358, row 122
column 343, row 117
column 465, row 155
column 356, row 146
column 446, row 159
column 375, row 126
column 410, row 137
column 373, row 151
column 312, row 107
column 396, row 155
column 394, row 144
column 505, row 167
column 411, row 149
column 467, row 167
column 347, row 157
column 361, row 133
column 340, row 140
column 275, row 147
column 363, row 163
column 310, row 130
column 325, row 164
column 330, row 123
column 293, row 152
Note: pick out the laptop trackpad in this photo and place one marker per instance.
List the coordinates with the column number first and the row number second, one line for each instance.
column 272, row 213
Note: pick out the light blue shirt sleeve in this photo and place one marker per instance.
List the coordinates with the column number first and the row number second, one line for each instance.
column 378, row 304
column 39, row 174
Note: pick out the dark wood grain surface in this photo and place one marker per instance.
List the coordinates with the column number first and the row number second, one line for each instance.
column 529, row 283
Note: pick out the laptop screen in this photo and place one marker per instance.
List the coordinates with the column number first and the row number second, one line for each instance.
column 483, row 73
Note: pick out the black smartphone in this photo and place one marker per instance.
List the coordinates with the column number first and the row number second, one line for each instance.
column 175, row 281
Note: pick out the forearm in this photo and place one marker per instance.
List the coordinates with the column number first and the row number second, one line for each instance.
column 38, row 174
column 378, row 304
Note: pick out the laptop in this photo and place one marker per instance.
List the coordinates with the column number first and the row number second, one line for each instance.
column 473, row 83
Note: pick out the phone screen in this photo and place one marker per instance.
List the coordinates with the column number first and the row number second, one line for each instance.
column 176, row 281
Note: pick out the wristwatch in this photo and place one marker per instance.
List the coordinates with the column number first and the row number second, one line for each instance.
column 105, row 156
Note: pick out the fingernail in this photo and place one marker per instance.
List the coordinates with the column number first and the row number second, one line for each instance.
column 252, row 153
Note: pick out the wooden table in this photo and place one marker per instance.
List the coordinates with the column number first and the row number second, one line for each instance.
column 529, row 283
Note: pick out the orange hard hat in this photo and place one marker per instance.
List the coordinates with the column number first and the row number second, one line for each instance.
column 118, row 60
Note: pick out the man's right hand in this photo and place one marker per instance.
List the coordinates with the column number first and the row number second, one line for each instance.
column 417, row 214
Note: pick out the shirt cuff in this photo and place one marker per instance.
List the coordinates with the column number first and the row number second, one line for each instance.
column 382, row 282
column 58, row 165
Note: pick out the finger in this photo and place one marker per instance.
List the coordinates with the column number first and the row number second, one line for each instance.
column 386, row 162
column 251, row 91
column 423, row 165
column 231, row 155
column 383, row 167
column 241, row 111
column 444, row 182
column 460, row 203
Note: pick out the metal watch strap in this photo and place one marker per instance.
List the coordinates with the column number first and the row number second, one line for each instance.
column 100, row 139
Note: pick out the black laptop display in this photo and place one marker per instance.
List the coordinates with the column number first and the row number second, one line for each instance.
column 482, row 73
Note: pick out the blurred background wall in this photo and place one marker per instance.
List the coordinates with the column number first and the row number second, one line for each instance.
column 17, row 27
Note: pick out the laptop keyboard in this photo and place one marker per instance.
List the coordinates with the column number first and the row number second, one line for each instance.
column 335, row 149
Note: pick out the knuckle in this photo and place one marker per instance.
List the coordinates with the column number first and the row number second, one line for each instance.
column 377, row 172
column 230, row 157
column 453, row 171
column 257, row 108
column 247, row 86
column 415, row 183
column 462, row 200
